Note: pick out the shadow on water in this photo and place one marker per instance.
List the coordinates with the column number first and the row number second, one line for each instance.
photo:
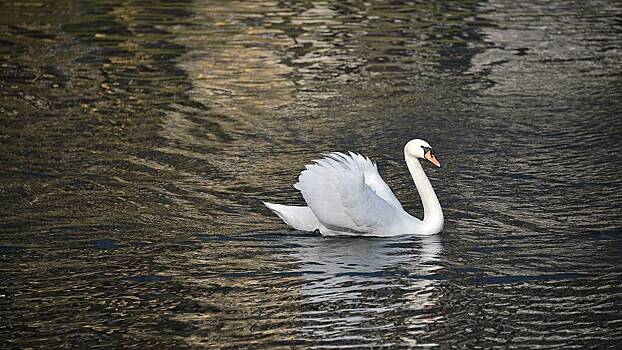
column 138, row 140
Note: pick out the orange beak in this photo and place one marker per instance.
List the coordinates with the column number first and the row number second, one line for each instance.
column 429, row 156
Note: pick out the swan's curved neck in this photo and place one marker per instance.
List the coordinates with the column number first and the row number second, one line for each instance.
column 432, row 212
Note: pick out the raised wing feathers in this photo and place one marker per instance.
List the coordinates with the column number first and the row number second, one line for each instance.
column 346, row 191
column 373, row 179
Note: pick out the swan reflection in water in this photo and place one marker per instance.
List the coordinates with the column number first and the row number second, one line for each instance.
column 312, row 289
column 354, row 284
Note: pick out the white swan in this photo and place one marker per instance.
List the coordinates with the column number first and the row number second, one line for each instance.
column 346, row 196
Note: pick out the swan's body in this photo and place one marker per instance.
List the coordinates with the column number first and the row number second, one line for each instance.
column 346, row 196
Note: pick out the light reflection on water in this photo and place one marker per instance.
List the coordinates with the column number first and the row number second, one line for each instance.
column 139, row 139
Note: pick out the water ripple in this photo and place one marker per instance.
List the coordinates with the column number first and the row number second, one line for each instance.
column 139, row 140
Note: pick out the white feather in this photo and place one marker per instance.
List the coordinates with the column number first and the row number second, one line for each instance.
column 300, row 218
column 342, row 190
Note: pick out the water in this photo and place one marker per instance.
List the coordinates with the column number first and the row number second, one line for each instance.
column 138, row 140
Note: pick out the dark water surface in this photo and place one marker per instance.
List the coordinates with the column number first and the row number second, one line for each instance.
column 138, row 138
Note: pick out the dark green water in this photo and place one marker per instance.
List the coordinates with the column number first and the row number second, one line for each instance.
column 138, row 138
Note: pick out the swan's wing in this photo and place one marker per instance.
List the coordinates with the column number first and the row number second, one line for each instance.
column 373, row 179
column 336, row 190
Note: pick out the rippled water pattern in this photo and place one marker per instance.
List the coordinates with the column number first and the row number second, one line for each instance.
column 138, row 139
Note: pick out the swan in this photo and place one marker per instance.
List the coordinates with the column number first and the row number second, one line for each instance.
column 345, row 195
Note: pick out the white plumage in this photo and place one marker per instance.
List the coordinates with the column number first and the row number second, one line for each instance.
column 346, row 196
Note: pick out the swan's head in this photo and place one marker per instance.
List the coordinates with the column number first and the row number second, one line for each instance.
column 420, row 149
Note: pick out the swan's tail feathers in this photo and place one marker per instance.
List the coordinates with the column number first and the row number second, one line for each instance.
column 300, row 218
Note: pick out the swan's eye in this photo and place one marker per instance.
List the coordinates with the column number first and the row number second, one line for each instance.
column 427, row 149
column 428, row 153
